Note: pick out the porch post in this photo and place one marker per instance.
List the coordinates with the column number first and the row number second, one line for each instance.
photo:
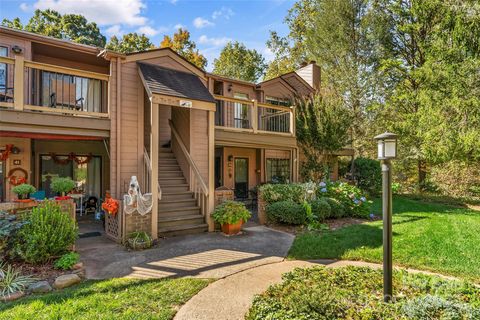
column 211, row 169
column 18, row 82
column 154, row 159
column 254, row 113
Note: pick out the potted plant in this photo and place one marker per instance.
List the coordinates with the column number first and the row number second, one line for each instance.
column 139, row 240
column 23, row 191
column 231, row 215
column 62, row 186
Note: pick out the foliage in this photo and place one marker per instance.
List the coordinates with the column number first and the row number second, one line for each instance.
column 74, row 27
column 238, row 62
column 12, row 281
column 62, row 185
column 337, row 210
column 139, row 240
column 181, row 44
column 427, row 236
column 321, row 209
column 368, row 175
column 287, row 212
column 396, row 187
column 282, row 192
column 356, row 293
column 130, row 42
column 351, row 198
column 9, row 226
column 23, row 189
column 116, row 298
column 322, row 128
column 457, row 178
column 231, row 212
column 49, row 232
column 67, row 261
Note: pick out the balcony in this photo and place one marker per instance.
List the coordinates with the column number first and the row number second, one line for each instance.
column 44, row 88
column 254, row 117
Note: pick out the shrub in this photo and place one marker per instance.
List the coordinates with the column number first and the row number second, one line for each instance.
column 231, row 212
column 23, row 189
column 67, row 261
column 62, row 185
column 9, row 226
column 49, row 232
column 433, row 307
column 287, row 212
column 282, row 192
column 321, row 209
column 351, row 197
column 337, row 210
column 12, row 281
column 368, row 175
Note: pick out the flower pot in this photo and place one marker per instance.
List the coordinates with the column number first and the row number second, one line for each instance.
column 139, row 244
column 24, row 196
column 231, row 229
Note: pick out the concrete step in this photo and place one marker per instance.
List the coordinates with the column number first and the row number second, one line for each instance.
column 182, row 230
column 174, row 188
column 194, row 219
column 182, row 195
column 185, row 211
column 173, row 204
column 171, row 181
column 170, row 174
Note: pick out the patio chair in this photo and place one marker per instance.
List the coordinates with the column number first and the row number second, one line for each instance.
column 38, row 195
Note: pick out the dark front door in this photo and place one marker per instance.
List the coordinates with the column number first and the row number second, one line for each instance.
column 241, row 178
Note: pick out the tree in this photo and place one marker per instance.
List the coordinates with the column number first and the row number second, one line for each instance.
column 290, row 50
column 131, row 42
column 185, row 47
column 236, row 61
column 72, row 27
column 322, row 127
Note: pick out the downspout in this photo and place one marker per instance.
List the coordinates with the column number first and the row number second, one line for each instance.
column 119, row 125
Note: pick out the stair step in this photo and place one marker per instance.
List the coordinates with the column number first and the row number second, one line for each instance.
column 172, row 204
column 166, row 155
column 183, row 187
column 169, row 167
column 165, row 150
column 181, row 195
column 192, row 219
column 170, row 174
column 182, row 230
column 171, row 181
column 185, row 211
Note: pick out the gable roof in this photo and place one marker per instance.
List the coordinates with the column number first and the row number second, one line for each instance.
column 174, row 83
column 293, row 80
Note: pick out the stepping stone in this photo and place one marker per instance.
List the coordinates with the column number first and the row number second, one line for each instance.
column 40, row 287
column 66, row 280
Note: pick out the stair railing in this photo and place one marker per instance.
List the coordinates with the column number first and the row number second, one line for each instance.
column 147, row 174
column 197, row 184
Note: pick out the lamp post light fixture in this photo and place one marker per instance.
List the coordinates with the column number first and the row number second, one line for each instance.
column 387, row 150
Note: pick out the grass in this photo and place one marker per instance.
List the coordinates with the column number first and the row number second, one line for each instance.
column 357, row 293
column 107, row 299
column 429, row 236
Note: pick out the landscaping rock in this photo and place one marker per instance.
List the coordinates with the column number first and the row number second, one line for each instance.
column 13, row 296
column 40, row 287
column 66, row 280
column 78, row 265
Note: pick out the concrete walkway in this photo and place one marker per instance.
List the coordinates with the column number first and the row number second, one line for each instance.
column 205, row 255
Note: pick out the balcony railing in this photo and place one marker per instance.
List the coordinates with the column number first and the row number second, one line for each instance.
column 40, row 87
column 251, row 116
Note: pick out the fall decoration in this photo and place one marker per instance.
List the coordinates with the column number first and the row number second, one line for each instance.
column 110, row 205
column 4, row 154
column 71, row 157
column 12, row 178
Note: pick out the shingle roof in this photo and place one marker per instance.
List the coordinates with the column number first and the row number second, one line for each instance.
column 174, row 83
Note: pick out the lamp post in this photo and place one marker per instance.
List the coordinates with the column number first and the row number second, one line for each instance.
column 387, row 150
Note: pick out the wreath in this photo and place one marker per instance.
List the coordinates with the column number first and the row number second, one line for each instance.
column 4, row 154
column 13, row 180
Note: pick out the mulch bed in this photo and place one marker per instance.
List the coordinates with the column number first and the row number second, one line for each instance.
column 40, row 272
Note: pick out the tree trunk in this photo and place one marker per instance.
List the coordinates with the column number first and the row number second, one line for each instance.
column 422, row 174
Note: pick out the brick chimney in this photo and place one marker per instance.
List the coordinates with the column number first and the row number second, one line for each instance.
column 310, row 72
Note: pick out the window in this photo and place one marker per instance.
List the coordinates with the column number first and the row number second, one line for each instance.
column 278, row 101
column 278, row 170
column 241, row 112
column 3, row 72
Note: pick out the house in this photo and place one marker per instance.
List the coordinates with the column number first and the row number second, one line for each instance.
column 101, row 117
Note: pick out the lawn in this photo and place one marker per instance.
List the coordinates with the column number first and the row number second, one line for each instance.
column 428, row 236
column 357, row 293
column 107, row 299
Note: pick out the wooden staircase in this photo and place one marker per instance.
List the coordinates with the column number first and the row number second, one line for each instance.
column 178, row 212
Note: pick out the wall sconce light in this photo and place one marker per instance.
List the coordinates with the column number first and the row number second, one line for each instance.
column 15, row 150
column 229, row 88
column 17, row 49
column 230, row 158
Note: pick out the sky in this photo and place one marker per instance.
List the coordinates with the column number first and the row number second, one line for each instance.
column 211, row 23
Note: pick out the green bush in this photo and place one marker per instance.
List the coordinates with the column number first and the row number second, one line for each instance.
column 351, row 197
column 433, row 307
column 49, row 232
column 10, row 224
column 368, row 175
column 282, row 192
column 287, row 212
column 23, row 189
column 62, row 185
column 321, row 209
column 231, row 212
column 336, row 208
column 67, row 261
